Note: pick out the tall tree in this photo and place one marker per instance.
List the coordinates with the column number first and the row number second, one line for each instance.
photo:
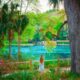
column 6, row 24
column 20, row 26
column 72, row 8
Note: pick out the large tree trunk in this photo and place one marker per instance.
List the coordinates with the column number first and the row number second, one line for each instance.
column 72, row 9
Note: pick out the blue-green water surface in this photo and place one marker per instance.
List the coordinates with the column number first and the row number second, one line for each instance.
column 34, row 52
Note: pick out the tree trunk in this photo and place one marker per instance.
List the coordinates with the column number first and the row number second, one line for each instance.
column 9, row 49
column 10, row 38
column 2, row 36
column 72, row 8
column 19, row 44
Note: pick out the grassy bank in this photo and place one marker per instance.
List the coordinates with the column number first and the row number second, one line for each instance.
column 28, row 70
column 35, row 75
column 11, row 66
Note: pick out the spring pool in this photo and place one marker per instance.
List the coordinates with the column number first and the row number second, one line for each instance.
column 34, row 52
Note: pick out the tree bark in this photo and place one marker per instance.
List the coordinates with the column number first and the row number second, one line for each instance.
column 10, row 38
column 72, row 8
column 19, row 40
column 9, row 49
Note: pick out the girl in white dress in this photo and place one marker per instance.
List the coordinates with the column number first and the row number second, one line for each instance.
column 41, row 65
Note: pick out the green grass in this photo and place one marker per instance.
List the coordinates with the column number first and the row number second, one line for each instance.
column 35, row 75
column 60, row 63
column 23, row 72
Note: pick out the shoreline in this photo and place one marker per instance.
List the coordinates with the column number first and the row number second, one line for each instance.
column 59, row 42
column 22, row 62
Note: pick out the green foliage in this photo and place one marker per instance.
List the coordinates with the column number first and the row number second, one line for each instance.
column 22, row 23
column 35, row 75
column 23, row 67
column 10, row 18
column 41, row 21
column 5, row 15
column 36, row 37
column 25, row 21
column 28, row 33
column 65, row 63
column 49, row 35
column 58, row 26
column 55, row 63
column 10, row 25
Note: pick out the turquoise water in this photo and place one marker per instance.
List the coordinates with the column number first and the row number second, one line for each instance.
column 34, row 52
